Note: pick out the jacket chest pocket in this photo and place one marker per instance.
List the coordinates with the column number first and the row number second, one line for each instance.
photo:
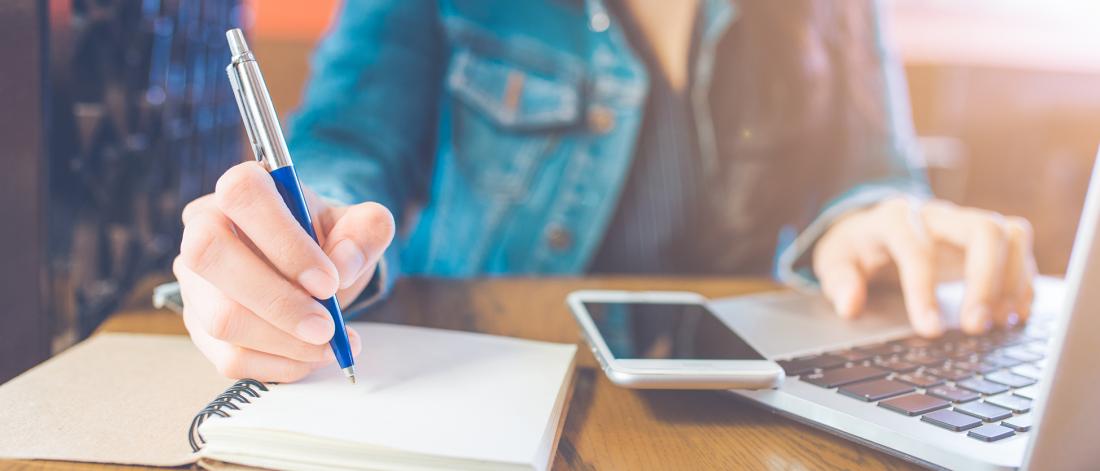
column 513, row 102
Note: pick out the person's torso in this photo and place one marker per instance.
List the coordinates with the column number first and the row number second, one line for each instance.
column 540, row 113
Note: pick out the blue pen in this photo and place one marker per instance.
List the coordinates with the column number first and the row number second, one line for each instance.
column 266, row 137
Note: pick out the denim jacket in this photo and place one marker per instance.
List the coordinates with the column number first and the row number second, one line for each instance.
column 500, row 133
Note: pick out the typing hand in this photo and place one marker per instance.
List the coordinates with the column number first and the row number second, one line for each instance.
column 248, row 274
column 921, row 245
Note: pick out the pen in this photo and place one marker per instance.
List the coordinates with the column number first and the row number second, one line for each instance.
column 269, row 147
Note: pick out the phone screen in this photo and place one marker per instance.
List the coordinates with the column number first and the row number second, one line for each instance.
column 667, row 331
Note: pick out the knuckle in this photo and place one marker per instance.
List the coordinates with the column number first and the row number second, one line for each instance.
column 1020, row 226
column 237, row 187
column 199, row 246
column 196, row 206
column 177, row 268
column 290, row 372
column 232, row 365
column 990, row 228
column 306, row 352
column 278, row 309
column 224, row 322
column 895, row 207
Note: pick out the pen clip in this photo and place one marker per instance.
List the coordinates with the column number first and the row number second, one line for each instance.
column 249, row 125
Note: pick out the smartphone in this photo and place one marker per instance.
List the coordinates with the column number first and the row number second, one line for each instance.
column 668, row 340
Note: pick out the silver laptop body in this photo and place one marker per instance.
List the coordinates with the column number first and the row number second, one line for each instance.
column 1059, row 349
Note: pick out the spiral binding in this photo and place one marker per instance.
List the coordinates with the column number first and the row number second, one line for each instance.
column 234, row 395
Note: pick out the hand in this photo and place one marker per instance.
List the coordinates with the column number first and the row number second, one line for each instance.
column 928, row 243
column 248, row 274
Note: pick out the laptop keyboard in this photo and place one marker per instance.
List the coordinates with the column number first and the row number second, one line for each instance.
column 981, row 386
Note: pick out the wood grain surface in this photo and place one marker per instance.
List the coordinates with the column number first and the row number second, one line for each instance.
column 607, row 427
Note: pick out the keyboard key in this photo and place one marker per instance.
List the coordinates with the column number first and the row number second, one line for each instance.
column 920, row 380
column 1011, row 402
column 978, row 344
column 950, row 374
column 854, row 356
column 965, row 354
column 1030, row 392
column 953, row 394
column 914, row 404
column 951, row 420
column 991, row 432
column 982, row 386
column 916, row 342
column 975, row 366
column 876, row 390
column 844, row 376
column 881, row 349
column 1041, row 347
column 896, row 365
column 984, row 411
column 1001, row 361
column 1020, row 423
column 1010, row 379
column 1023, row 355
column 925, row 358
column 803, row 365
column 1028, row 371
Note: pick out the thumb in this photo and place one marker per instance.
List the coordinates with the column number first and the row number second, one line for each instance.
column 357, row 239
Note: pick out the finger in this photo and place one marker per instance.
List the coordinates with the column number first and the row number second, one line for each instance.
column 1020, row 268
column 983, row 237
column 356, row 342
column 237, row 362
column 358, row 239
column 249, row 198
column 913, row 254
column 211, row 250
column 198, row 205
column 226, row 320
column 836, row 265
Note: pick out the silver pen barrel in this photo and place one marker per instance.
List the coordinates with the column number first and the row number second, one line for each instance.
column 261, row 122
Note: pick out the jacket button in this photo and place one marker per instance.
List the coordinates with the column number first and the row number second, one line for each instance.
column 559, row 238
column 600, row 119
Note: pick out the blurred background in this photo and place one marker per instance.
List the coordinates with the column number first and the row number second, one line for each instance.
column 116, row 113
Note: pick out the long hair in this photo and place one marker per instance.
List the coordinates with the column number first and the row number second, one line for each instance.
column 798, row 88
column 798, row 65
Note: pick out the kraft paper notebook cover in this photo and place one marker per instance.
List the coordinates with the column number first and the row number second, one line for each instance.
column 428, row 399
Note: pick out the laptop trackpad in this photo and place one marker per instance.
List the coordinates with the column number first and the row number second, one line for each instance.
column 791, row 323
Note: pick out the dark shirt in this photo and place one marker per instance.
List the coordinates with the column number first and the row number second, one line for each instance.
column 665, row 219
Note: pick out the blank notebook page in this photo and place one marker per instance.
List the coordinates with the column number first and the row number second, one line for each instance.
column 425, row 391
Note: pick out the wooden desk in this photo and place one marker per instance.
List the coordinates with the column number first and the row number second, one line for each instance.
column 607, row 428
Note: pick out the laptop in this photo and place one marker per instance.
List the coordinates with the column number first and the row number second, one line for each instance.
column 1025, row 398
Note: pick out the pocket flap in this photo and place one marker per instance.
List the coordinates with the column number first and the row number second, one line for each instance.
column 512, row 95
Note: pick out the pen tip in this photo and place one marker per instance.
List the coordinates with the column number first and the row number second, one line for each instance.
column 350, row 373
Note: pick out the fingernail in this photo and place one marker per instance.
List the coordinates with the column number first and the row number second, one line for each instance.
column 349, row 261
column 318, row 283
column 315, row 329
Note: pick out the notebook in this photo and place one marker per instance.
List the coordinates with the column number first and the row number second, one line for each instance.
column 427, row 399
